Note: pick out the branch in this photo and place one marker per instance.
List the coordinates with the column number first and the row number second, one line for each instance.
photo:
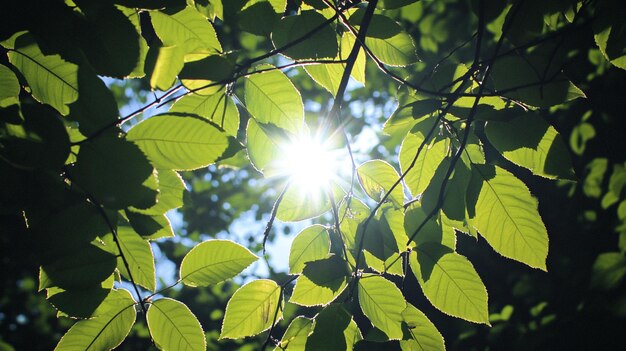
column 119, row 248
column 470, row 119
column 278, row 307
column 268, row 227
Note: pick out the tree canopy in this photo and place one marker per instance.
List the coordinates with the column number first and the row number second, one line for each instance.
column 454, row 171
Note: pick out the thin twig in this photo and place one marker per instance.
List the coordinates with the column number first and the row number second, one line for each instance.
column 270, row 222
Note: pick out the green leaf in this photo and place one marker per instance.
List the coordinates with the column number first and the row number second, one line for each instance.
column 321, row 282
column 383, row 303
column 111, row 41
column 507, row 216
column 295, row 336
column 84, row 267
column 377, row 177
column 207, row 76
column 40, row 141
column 431, row 232
column 334, row 330
column 406, row 116
column 150, row 227
column 170, row 196
column 322, row 44
column 272, row 98
column 138, row 253
column 179, row 142
column 394, row 4
column 188, row 29
column 609, row 32
column 217, row 108
column 420, row 334
column 214, row 261
column 608, row 270
column 518, row 78
column 103, row 161
column 52, row 80
column 329, row 75
column 431, row 155
column 300, row 204
column 9, row 87
column 262, row 149
column 96, row 107
column 529, row 141
column 387, row 40
column 104, row 332
column 258, row 18
column 168, row 61
column 311, row 244
column 82, row 303
column 450, row 282
column 174, row 327
column 251, row 309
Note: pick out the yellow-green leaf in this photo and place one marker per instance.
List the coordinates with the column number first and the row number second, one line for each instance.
column 450, row 282
column 174, row 327
column 383, row 303
column 506, row 216
column 52, row 80
column 179, row 142
column 311, row 244
column 104, row 332
column 214, row 261
column 251, row 309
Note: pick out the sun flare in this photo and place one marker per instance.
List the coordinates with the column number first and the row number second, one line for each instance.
column 310, row 163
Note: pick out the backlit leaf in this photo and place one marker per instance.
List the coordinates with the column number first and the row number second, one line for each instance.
column 53, row 80
column 387, row 40
column 9, row 87
column 377, row 177
column 321, row 282
column 529, row 141
column 507, row 217
column 311, row 244
column 431, row 155
column 104, row 332
column 179, row 142
column 420, row 334
column 383, row 303
column 186, row 28
column 174, row 327
column 251, row 309
column 322, row 44
column 214, row 261
column 334, row 330
column 272, row 98
column 450, row 282
column 296, row 334
column 217, row 108
column 138, row 253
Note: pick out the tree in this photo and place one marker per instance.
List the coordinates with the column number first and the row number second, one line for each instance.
column 471, row 95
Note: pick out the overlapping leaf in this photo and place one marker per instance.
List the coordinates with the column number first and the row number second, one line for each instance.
column 272, row 98
column 506, row 216
column 214, row 261
column 383, row 303
column 311, row 244
column 450, row 282
column 251, row 309
column 179, row 142
column 53, row 80
column 174, row 327
column 104, row 332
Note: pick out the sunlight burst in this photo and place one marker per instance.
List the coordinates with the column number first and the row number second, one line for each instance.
column 310, row 163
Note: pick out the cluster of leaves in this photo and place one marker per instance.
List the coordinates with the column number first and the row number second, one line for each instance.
column 92, row 194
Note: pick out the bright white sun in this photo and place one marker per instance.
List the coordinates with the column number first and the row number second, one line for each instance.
column 309, row 163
